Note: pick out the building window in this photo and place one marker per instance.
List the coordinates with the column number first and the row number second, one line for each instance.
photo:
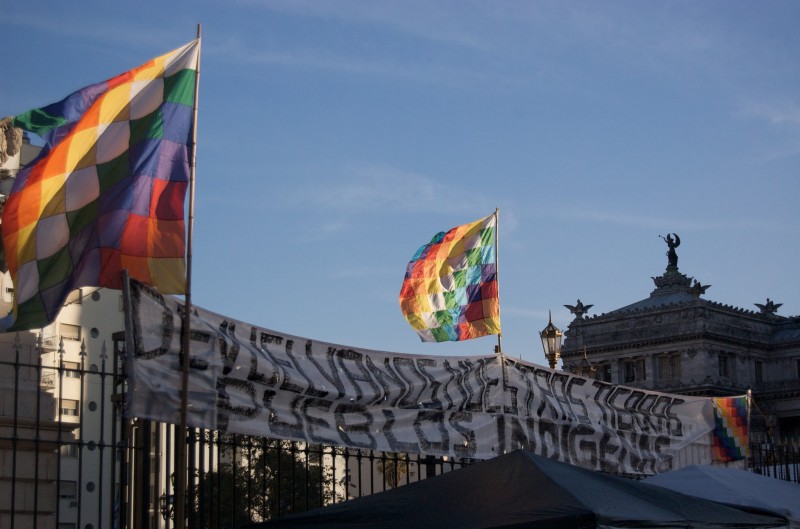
column 634, row 370
column 604, row 372
column 70, row 332
column 68, row 490
column 68, row 493
column 759, row 372
column 69, row 407
column 72, row 369
column 725, row 365
column 629, row 371
column 669, row 366
column 69, row 450
column 74, row 297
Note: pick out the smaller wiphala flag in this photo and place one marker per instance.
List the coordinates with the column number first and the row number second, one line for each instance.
column 730, row 437
column 450, row 288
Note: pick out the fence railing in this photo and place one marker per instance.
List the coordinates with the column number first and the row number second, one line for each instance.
column 70, row 460
column 235, row 479
column 780, row 461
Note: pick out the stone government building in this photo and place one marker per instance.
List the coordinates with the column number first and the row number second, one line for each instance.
column 677, row 342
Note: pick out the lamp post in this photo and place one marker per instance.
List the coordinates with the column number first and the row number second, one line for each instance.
column 167, row 501
column 551, row 342
column 167, row 506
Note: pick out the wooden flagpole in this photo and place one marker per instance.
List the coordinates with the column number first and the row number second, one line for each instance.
column 181, row 470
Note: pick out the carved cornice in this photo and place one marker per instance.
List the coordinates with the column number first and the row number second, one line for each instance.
column 701, row 302
column 779, row 389
column 679, row 322
column 568, row 351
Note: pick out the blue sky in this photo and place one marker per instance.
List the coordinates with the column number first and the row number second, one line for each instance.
column 337, row 137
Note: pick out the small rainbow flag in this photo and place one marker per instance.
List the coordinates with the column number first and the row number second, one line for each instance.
column 107, row 190
column 450, row 288
column 730, row 437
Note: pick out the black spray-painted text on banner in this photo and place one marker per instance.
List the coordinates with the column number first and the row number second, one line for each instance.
column 250, row 380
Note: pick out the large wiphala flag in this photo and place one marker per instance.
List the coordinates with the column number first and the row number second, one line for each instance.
column 450, row 288
column 107, row 191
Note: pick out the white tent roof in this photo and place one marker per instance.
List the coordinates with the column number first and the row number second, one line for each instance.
column 734, row 487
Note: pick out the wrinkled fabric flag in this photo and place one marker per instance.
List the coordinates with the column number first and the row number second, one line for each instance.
column 731, row 430
column 450, row 288
column 107, row 191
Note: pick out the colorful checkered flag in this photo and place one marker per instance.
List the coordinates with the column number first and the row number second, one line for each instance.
column 450, row 288
column 106, row 192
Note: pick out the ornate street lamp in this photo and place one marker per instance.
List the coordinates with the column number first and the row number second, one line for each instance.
column 166, row 502
column 551, row 342
column 167, row 506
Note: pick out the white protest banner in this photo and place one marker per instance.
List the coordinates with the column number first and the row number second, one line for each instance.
column 250, row 380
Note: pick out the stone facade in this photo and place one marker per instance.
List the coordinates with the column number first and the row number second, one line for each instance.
column 675, row 341
column 29, row 440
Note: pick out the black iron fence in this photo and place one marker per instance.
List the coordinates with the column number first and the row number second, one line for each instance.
column 70, row 460
column 777, row 460
column 236, row 479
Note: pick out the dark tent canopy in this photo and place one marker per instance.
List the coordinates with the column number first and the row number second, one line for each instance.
column 522, row 490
